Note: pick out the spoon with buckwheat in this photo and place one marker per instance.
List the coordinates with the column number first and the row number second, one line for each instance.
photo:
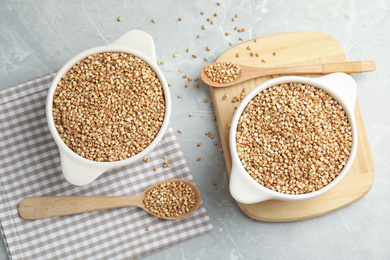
column 225, row 74
column 168, row 199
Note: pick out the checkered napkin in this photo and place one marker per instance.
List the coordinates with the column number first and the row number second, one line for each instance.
column 30, row 166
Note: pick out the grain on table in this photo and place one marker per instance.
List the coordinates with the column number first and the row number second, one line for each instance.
column 209, row 134
column 293, row 138
column 109, row 106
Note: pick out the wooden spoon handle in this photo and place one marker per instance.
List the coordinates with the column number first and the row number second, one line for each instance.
column 348, row 67
column 327, row 68
column 44, row 207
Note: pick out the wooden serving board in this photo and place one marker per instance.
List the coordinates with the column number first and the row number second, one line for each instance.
column 289, row 49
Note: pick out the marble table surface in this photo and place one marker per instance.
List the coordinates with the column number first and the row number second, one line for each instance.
column 38, row 37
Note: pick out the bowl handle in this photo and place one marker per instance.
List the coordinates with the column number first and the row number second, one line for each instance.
column 140, row 41
column 243, row 190
column 78, row 173
column 342, row 85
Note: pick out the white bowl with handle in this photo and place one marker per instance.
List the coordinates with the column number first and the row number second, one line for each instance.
column 247, row 190
column 77, row 169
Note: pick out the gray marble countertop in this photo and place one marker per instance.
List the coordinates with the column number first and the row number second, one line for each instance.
column 38, row 37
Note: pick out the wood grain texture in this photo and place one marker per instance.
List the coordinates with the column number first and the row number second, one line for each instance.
column 52, row 206
column 286, row 50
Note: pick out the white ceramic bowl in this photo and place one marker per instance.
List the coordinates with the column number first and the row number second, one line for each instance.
column 243, row 187
column 79, row 170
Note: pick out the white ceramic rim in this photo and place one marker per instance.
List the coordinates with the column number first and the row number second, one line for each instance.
column 101, row 49
column 291, row 79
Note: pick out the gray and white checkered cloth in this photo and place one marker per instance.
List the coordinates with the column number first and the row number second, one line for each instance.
column 30, row 166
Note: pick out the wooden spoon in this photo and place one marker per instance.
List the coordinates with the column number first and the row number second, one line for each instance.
column 45, row 207
column 248, row 72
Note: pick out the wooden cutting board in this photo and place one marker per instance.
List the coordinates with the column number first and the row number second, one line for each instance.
column 289, row 49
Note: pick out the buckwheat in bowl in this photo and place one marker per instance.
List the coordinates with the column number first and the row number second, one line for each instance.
column 293, row 138
column 107, row 107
